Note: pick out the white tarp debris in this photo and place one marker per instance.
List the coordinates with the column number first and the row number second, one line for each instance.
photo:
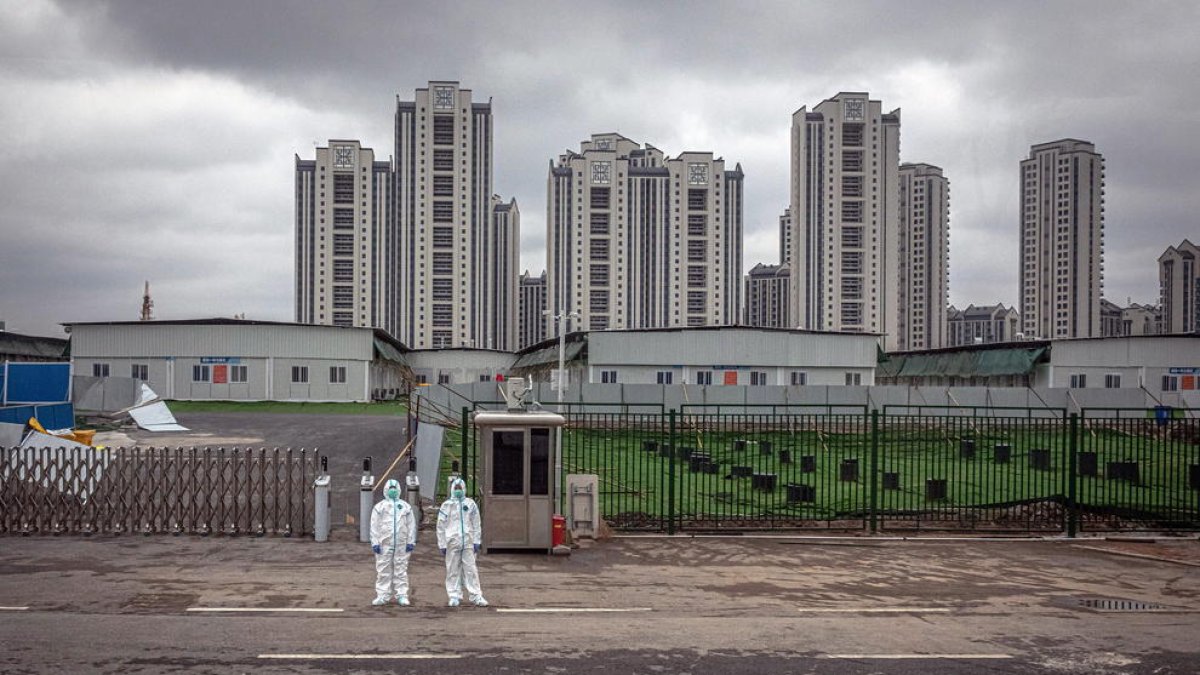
column 48, row 452
column 156, row 417
column 152, row 414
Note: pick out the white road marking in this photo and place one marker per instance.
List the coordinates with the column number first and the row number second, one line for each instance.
column 266, row 609
column 322, row 657
column 564, row 610
column 873, row 610
column 964, row 657
column 13, row 609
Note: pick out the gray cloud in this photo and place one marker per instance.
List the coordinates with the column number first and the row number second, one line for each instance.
column 155, row 140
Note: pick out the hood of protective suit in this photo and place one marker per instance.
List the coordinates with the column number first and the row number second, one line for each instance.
column 456, row 486
column 392, row 484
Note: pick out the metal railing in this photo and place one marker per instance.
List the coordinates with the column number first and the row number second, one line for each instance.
column 157, row 490
column 903, row 468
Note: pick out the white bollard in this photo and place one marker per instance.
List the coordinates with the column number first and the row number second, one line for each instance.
column 366, row 503
column 321, row 502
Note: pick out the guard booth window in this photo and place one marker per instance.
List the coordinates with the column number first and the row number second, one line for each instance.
column 539, row 461
column 508, row 463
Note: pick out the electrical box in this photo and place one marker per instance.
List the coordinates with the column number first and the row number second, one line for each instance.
column 583, row 504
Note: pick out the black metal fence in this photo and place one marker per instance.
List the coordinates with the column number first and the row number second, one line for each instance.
column 157, row 490
column 911, row 468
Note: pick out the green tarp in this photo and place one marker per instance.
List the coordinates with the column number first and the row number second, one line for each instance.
column 973, row 363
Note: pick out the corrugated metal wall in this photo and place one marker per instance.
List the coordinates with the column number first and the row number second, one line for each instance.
column 312, row 342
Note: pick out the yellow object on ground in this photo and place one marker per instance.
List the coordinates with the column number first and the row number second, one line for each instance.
column 36, row 426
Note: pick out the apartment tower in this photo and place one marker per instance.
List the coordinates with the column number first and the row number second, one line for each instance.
column 531, row 310
column 845, row 206
column 456, row 245
column 1179, row 287
column 1062, row 240
column 923, row 258
column 344, row 245
column 636, row 239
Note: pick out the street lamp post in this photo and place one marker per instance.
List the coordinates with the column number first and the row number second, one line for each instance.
column 560, row 320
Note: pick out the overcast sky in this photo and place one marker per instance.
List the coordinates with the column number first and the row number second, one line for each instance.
column 155, row 140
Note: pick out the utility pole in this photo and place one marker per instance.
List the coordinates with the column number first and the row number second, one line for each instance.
column 560, row 382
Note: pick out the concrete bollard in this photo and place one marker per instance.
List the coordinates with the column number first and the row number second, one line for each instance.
column 366, row 501
column 321, row 503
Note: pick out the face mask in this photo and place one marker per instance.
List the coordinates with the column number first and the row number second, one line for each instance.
column 459, row 494
column 393, row 494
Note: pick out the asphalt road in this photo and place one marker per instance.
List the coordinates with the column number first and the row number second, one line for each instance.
column 135, row 604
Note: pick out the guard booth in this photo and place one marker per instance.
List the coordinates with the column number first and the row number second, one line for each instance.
column 517, row 454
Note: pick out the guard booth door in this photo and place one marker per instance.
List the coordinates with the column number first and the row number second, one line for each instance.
column 519, row 489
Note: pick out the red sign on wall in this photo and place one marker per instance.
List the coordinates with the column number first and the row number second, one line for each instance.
column 220, row 374
column 731, row 377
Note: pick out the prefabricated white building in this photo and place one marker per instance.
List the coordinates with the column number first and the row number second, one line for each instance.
column 230, row 359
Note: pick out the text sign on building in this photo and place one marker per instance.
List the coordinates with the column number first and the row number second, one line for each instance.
column 1185, row 371
column 234, row 360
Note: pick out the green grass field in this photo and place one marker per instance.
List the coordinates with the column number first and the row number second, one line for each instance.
column 291, row 408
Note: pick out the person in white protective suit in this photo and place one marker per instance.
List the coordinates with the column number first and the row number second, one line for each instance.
column 459, row 535
column 393, row 537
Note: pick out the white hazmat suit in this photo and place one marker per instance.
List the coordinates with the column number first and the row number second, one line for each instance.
column 459, row 536
column 393, row 536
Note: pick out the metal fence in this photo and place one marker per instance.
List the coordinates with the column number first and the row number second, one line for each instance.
column 902, row 468
column 157, row 490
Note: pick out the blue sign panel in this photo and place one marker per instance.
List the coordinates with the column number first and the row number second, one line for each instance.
column 221, row 359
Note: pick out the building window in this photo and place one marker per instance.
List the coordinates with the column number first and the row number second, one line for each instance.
column 337, row 374
column 443, row 237
column 697, row 199
column 599, row 301
column 200, row 374
column 1112, row 381
column 443, row 186
column 343, row 297
column 601, row 172
column 697, row 302
column 443, row 263
column 443, row 315
column 343, row 188
column 665, row 376
column 758, row 378
column 697, row 224
column 299, row 374
column 853, row 379
column 600, row 198
column 599, row 275
column 697, row 276
column 600, row 223
column 343, row 270
column 239, row 374
column 443, row 378
column 343, row 319
column 443, row 289
column 443, row 129
column 343, row 219
column 485, row 378
column 443, row 212
column 422, row 380
column 599, row 249
column 443, row 160
column 697, row 250
column 704, row 377
column 343, row 244
column 1079, row 381
column 608, row 377
column 799, row 378
column 138, row 371
column 1170, row 383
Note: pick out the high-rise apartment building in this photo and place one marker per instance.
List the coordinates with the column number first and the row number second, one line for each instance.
column 635, row 239
column 455, row 243
column 845, row 206
column 785, row 237
column 344, row 245
column 923, row 257
column 982, row 325
column 1062, row 240
column 767, row 296
column 1179, row 288
column 532, row 305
